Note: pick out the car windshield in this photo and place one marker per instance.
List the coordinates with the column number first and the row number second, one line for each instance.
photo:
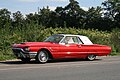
column 54, row 38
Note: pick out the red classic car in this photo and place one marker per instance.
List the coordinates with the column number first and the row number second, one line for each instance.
column 60, row 46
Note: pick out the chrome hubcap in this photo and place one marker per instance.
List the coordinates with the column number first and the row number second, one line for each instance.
column 91, row 57
column 43, row 57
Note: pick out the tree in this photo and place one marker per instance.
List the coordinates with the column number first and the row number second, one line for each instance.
column 112, row 8
column 74, row 14
column 44, row 16
column 71, row 15
column 59, row 17
column 93, row 18
column 32, row 18
column 5, row 20
column 18, row 19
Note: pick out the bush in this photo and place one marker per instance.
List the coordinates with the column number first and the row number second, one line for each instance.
column 39, row 33
column 115, row 39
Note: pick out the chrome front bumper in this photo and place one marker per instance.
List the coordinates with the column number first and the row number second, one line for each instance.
column 20, row 53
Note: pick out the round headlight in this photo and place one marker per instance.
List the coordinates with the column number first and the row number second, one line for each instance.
column 26, row 49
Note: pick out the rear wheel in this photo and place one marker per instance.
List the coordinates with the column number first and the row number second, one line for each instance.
column 91, row 57
column 42, row 56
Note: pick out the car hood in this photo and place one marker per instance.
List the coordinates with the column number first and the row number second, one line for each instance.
column 33, row 44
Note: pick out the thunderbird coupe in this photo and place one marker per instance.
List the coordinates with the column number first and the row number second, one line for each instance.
column 60, row 46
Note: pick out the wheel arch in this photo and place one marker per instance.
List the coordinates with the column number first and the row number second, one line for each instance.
column 49, row 53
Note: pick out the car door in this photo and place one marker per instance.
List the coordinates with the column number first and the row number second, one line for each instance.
column 72, row 47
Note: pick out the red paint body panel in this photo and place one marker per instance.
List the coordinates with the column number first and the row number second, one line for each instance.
column 68, row 50
column 57, row 45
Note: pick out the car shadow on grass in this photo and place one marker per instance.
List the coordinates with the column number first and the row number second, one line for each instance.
column 19, row 62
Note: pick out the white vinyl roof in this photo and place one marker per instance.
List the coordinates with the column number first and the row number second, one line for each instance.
column 84, row 39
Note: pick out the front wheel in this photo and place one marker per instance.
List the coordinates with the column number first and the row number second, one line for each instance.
column 42, row 56
column 91, row 57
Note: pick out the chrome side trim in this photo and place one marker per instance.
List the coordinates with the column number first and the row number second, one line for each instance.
column 32, row 52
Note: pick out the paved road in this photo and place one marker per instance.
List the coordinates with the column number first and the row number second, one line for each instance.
column 104, row 68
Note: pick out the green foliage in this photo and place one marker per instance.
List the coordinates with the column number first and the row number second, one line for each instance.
column 115, row 39
column 71, row 19
column 5, row 20
column 112, row 11
column 72, row 15
column 39, row 33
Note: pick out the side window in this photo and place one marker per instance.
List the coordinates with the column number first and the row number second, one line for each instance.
column 68, row 40
column 77, row 40
column 72, row 40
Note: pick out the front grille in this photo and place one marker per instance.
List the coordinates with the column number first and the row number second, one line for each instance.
column 18, row 52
